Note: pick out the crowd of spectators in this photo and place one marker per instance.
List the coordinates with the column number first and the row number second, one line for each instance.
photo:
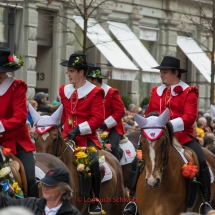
column 204, row 127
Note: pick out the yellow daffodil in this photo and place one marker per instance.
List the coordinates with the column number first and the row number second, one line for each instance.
column 14, row 185
column 81, row 155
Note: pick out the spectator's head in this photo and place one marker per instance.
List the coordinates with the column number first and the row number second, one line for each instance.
column 203, row 121
column 55, row 184
column 134, row 110
column 206, row 115
column 41, row 97
column 208, row 140
column 199, row 125
column 200, row 113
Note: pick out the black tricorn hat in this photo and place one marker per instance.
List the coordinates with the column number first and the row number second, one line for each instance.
column 4, row 61
column 75, row 60
column 94, row 72
column 169, row 62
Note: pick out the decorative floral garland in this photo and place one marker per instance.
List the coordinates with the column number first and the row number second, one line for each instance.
column 15, row 61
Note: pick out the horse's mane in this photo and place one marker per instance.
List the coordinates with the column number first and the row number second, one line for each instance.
column 168, row 126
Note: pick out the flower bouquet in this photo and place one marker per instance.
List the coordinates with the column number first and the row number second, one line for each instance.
column 103, row 139
column 15, row 61
column 83, row 161
column 189, row 171
column 8, row 185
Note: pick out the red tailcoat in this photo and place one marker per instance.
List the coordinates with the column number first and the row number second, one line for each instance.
column 114, row 109
column 87, row 111
column 182, row 106
column 13, row 116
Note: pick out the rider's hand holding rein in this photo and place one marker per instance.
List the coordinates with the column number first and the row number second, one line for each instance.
column 73, row 133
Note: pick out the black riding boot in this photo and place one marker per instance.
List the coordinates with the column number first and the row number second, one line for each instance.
column 115, row 152
column 95, row 206
column 206, row 190
column 33, row 191
column 131, row 207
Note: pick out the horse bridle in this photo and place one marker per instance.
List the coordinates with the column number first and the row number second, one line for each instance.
column 58, row 141
column 163, row 146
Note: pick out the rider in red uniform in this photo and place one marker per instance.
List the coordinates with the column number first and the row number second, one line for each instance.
column 114, row 109
column 181, row 99
column 83, row 113
column 13, row 115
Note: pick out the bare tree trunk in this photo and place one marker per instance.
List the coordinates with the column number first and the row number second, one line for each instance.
column 212, row 57
column 85, row 27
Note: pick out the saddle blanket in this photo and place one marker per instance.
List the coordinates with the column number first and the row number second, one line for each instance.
column 181, row 151
column 108, row 173
column 129, row 152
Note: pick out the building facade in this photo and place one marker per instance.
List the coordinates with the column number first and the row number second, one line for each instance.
column 141, row 32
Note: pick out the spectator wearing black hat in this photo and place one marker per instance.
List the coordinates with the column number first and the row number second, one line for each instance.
column 56, row 195
column 13, row 115
column 41, row 99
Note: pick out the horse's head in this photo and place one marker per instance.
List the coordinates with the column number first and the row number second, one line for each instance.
column 155, row 141
column 47, row 134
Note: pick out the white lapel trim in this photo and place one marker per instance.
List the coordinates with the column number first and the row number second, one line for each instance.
column 105, row 87
column 163, row 87
column 4, row 86
column 82, row 91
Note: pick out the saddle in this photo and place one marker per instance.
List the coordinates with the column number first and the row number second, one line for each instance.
column 186, row 154
column 18, row 171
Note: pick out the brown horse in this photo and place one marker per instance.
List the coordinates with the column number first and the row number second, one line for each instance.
column 161, row 188
column 46, row 161
column 112, row 191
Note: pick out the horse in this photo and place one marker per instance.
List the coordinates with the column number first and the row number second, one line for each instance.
column 161, row 187
column 51, row 142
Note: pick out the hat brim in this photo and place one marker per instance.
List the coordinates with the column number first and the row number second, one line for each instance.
column 4, row 69
column 66, row 63
column 48, row 181
column 168, row 67
column 104, row 77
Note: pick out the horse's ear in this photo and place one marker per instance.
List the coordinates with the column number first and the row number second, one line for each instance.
column 34, row 114
column 56, row 116
column 141, row 121
column 163, row 118
column 212, row 110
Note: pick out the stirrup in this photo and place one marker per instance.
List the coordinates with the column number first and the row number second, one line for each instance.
column 95, row 213
column 204, row 203
column 134, row 203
